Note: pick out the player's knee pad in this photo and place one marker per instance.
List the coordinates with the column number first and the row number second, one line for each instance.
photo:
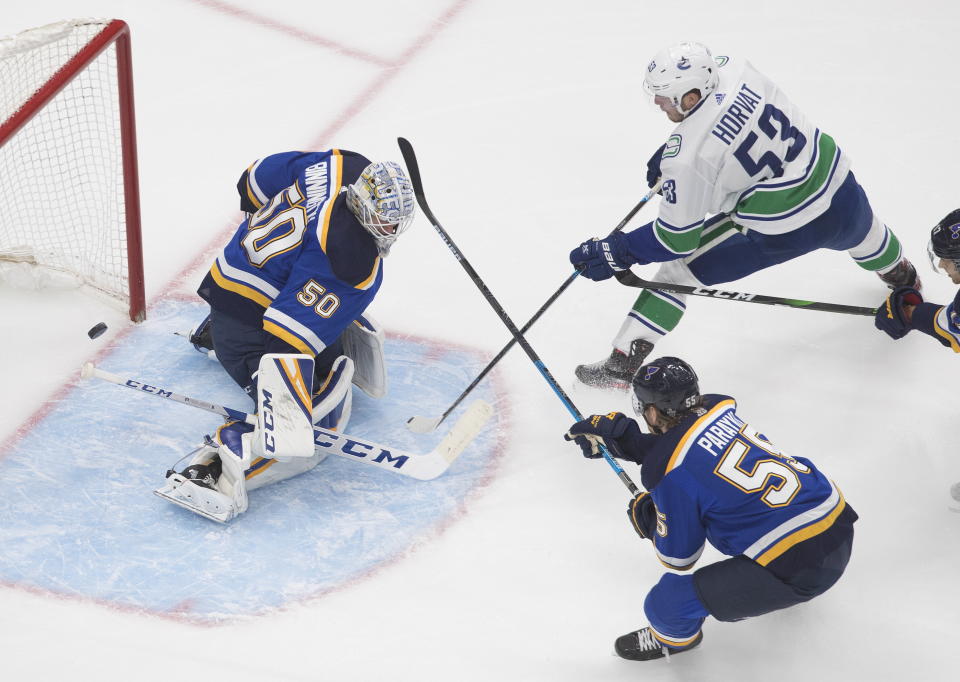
column 363, row 343
column 333, row 400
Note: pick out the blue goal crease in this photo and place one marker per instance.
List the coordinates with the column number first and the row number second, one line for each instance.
column 79, row 518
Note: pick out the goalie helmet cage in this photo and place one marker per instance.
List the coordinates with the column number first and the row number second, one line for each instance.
column 68, row 158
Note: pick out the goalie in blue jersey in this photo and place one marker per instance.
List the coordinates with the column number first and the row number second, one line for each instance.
column 713, row 478
column 287, row 296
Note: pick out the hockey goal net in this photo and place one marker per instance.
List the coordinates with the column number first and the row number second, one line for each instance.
column 68, row 164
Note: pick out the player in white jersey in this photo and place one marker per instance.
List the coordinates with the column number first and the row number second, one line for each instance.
column 748, row 182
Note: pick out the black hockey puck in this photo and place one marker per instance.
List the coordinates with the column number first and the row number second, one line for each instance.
column 97, row 330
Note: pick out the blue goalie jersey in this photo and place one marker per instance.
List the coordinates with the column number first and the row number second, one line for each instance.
column 301, row 265
column 715, row 478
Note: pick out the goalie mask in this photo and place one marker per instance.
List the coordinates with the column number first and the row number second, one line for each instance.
column 382, row 200
column 678, row 69
column 667, row 383
column 945, row 241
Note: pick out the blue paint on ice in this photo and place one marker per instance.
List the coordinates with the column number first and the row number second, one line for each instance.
column 77, row 516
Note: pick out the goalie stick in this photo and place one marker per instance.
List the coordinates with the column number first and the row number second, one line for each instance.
column 423, row 467
column 406, row 149
column 629, row 279
column 427, row 424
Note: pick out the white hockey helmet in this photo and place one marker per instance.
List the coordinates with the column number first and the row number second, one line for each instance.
column 382, row 200
column 678, row 69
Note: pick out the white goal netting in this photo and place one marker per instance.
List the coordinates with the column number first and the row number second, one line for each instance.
column 62, row 173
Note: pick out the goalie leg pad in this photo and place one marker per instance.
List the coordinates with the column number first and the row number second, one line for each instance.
column 257, row 471
column 363, row 343
column 333, row 401
column 284, row 405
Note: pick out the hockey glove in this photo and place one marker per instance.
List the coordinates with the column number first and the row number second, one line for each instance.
column 653, row 166
column 893, row 317
column 615, row 430
column 601, row 258
column 642, row 513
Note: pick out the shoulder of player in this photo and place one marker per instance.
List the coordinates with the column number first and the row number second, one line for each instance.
column 669, row 454
column 350, row 249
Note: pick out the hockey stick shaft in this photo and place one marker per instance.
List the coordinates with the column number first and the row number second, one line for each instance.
column 409, row 157
column 423, row 424
column 631, row 280
column 422, row 467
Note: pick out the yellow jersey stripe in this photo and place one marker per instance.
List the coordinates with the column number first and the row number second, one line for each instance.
column 944, row 333
column 693, row 431
column 250, row 193
column 802, row 534
column 287, row 336
column 373, row 275
column 238, row 288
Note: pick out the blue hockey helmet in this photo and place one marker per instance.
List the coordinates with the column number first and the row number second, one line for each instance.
column 945, row 238
column 667, row 383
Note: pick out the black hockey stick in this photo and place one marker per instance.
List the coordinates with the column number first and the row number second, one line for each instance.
column 426, row 424
column 411, row 160
column 631, row 280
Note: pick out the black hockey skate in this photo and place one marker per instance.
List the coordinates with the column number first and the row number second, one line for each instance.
column 904, row 275
column 617, row 370
column 641, row 645
column 201, row 336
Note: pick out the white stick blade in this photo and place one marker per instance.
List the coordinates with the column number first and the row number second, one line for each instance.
column 423, row 424
column 465, row 430
column 87, row 370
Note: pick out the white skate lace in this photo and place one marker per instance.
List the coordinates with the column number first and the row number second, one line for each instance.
column 648, row 642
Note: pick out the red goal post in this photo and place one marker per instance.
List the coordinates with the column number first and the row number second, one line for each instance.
column 68, row 156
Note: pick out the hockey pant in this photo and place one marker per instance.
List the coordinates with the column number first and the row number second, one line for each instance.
column 726, row 253
column 240, row 347
column 732, row 590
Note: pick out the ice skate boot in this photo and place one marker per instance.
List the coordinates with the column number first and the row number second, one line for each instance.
column 642, row 645
column 904, row 275
column 617, row 370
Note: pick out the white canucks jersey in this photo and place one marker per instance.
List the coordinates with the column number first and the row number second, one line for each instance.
column 745, row 150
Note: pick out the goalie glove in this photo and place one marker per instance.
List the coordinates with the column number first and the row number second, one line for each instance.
column 642, row 513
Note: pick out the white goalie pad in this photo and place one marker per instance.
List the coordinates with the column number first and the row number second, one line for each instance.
column 333, row 401
column 363, row 343
column 285, row 406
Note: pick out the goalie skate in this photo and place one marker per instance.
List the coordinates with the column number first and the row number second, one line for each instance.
column 200, row 500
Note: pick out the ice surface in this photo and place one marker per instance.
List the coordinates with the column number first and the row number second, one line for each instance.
column 532, row 133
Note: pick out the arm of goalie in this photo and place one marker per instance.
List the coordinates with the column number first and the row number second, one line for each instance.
column 285, row 406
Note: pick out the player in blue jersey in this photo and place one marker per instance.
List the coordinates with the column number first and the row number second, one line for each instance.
column 295, row 279
column 713, row 478
column 748, row 182
column 905, row 308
